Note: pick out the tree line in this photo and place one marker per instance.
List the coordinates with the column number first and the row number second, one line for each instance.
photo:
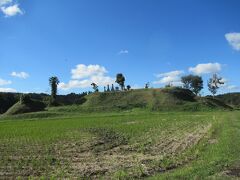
column 191, row 82
column 195, row 83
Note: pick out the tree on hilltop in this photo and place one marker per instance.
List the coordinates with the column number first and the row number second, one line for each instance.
column 193, row 83
column 53, row 82
column 120, row 79
column 214, row 84
column 95, row 87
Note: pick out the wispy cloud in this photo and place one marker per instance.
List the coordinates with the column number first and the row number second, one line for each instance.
column 207, row 68
column 232, row 87
column 22, row 75
column 172, row 77
column 234, row 40
column 123, row 52
column 7, row 90
column 84, row 75
column 4, row 82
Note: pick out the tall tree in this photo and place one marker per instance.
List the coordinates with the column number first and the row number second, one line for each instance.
column 53, row 82
column 194, row 83
column 120, row 79
column 214, row 84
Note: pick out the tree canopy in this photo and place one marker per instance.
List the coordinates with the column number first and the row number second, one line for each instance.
column 193, row 83
column 120, row 79
column 214, row 84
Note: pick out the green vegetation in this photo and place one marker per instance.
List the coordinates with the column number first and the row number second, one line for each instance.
column 26, row 105
column 95, row 87
column 120, row 79
column 232, row 99
column 7, row 100
column 193, row 83
column 214, row 84
column 65, row 143
column 53, row 82
column 128, row 134
column 167, row 99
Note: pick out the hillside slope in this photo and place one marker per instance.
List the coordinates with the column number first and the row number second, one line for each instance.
column 153, row 99
column 25, row 107
column 167, row 99
column 232, row 99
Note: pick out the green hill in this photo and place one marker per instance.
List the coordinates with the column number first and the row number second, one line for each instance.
column 153, row 99
column 26, row 107
column 167, row 99
column 232, row 99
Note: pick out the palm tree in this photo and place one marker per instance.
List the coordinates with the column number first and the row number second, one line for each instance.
column 53, row 82
column 120, row 79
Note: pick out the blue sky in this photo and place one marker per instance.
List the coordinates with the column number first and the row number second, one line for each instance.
column 80, row 41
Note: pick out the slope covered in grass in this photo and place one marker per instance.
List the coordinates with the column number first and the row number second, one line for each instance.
column 153, row 99
column 26, row 107
column 167, row 99
column 232, row 99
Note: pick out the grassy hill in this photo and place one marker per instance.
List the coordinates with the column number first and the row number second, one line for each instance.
column 167, row 99
column 26, row 107
column 153, row 99
column 232, row 99
column 7, row 100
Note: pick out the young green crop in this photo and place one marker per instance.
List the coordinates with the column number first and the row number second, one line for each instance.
column 131, row 144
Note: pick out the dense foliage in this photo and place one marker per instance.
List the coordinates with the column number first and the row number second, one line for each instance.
column 7, row 100
column 232, row 99
column 193, row 83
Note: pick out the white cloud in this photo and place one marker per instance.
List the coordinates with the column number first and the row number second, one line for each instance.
column 123, row 52
column 207, row 68
column 86, row 83
column 11, row 10
column 83, row 71
column 169, row 77
column 4, row 82
column 83, row 76
column 22, row 75
column 7, row 90
column 234, row 40
column 232, row 87
column 136, row 86
column 4, row 2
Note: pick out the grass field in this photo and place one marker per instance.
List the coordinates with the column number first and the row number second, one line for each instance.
column 121, row 145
